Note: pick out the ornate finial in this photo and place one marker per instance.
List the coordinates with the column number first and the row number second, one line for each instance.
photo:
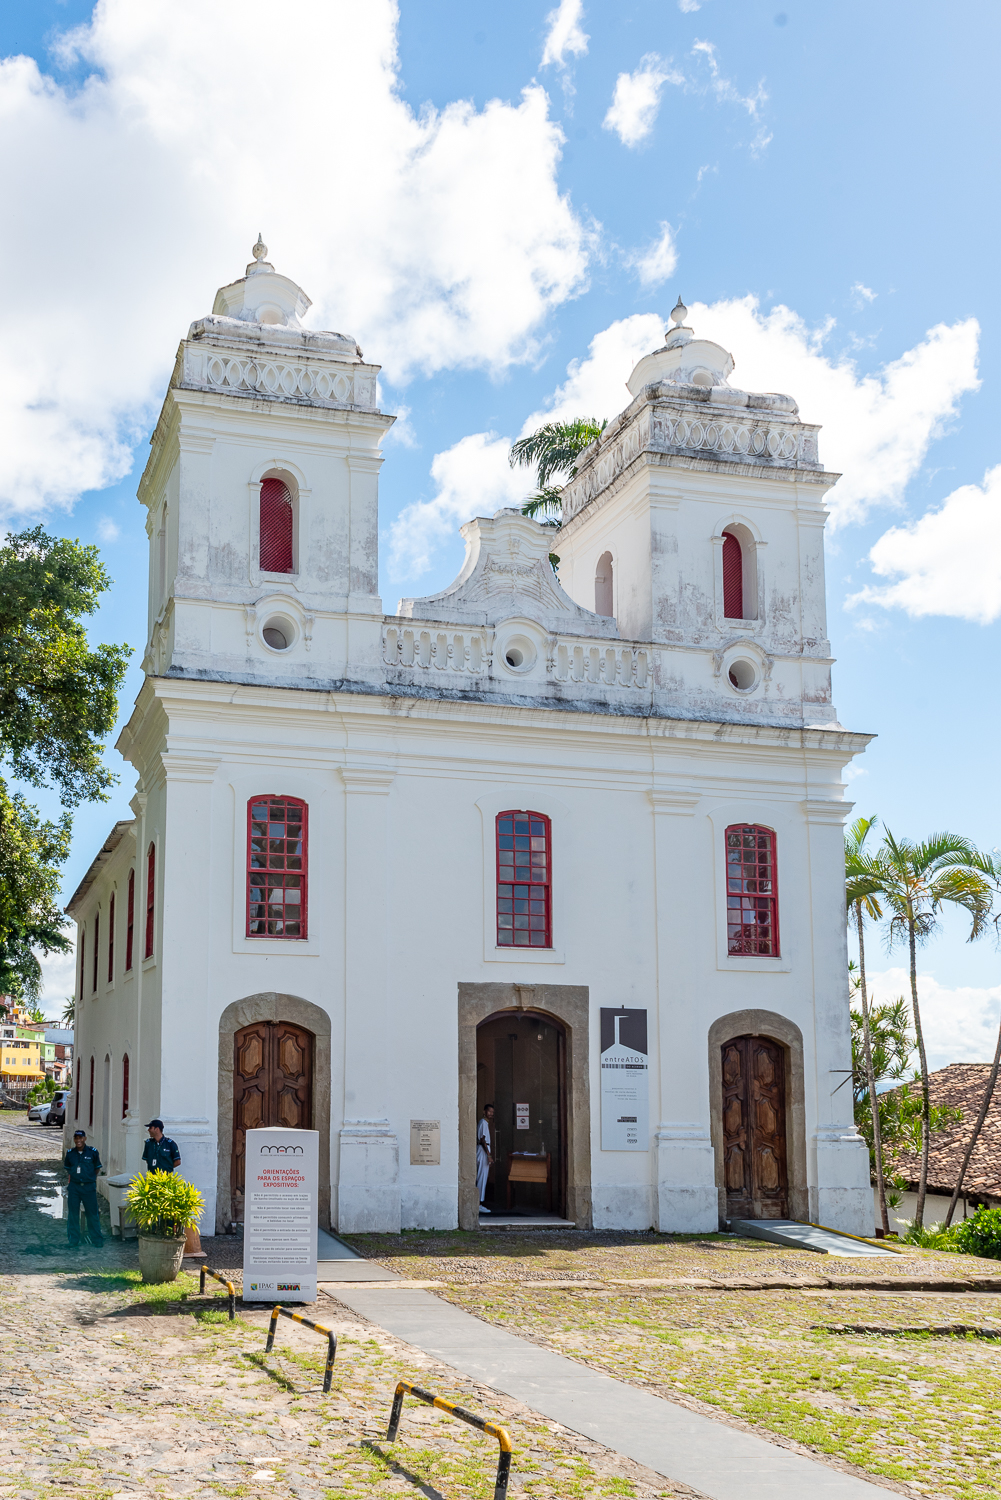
column 678, row 314
column 260, row 250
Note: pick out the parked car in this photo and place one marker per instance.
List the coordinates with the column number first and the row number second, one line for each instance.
column 40, row 1112
column 57, row 1107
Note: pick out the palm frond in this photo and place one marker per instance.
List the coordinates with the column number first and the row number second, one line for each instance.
column 546, row 506
column 555, row 447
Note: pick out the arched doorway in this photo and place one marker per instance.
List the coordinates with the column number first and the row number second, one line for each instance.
column 521, row 1061
column 272, row 1085
column 755, row 1167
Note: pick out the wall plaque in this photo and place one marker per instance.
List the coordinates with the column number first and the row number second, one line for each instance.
column 425, row 1143
column 625, row 1074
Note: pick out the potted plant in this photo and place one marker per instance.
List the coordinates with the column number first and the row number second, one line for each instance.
column 163, row 1206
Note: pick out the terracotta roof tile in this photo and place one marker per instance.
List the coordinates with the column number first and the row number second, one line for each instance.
column 960, row 1086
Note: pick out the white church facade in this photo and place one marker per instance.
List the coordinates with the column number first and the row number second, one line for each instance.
column 385, row 868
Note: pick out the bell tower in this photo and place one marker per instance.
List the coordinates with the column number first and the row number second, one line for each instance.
column 261, row 492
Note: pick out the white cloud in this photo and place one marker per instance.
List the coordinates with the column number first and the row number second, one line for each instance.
column 960, row 1024
column 689, row 6
column 108, row 530
column 948, row 562
column 877, row 428
column 636, row 99
column 725, row 91
column 440, row 240
column 58, row 979
column 565, row 34
column 658, row 261
column 862, row 294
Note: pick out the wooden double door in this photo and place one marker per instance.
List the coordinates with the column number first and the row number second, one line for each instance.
column 754, row 1129
column 272, row 1085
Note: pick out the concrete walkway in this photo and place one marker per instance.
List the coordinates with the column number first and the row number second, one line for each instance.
column 680, row 1444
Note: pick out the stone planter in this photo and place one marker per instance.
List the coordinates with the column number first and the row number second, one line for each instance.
column 160, row 1259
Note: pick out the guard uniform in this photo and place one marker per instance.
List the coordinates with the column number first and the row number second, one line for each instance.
column 162, row 1155
column 83, row 1167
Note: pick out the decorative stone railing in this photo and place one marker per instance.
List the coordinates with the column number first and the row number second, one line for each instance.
column 442, row 649
column 288, row 379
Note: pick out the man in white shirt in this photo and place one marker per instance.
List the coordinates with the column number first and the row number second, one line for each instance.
column 484, row 1155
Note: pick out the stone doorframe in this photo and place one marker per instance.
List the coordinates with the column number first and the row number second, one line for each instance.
column 271, row 1006
column 768, row 1024
column 570, row 1005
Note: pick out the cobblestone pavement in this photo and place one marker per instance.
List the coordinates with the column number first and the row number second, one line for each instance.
column 113, row 1389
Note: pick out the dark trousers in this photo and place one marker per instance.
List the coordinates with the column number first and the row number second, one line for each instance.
column 84, row 1196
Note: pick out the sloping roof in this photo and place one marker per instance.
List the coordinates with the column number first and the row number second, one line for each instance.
column 960, row 1086
column 108, row 848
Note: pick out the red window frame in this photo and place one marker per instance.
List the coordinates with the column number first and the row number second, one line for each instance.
column 130, row 919
column 150, row 899
column 523, row 846
column 125, row 1085
column 752, row 897
column 733, row 577
column 83, row 961
column 76, row 1106
column 90, row 1116
column 111, row 938
column 277, row 527
column 277, row 867
column 97, row 949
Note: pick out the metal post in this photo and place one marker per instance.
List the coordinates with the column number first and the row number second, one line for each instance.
column 271, row 1330
column 503, row 1475
column 395, row 1415
column 328, row 1372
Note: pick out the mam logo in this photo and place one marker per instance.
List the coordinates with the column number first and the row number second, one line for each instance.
column 281, row 1150
column 289, row 1286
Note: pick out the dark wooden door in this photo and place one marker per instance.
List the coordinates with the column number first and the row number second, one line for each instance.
column 272, row 1085
column 754, row 1129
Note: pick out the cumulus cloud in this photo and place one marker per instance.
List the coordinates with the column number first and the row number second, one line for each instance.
column 863, row 294
column 565, row 34
column 108, row 530
column 658, row 261
column 58, row 978
column 439, row 239
column 946, row 563
column 960, row 1023
column 636, row 99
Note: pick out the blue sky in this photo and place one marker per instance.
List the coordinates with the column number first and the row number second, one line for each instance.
column 487, row 196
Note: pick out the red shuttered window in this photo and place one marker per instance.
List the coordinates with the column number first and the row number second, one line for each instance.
column 276, row 527
column 125, row 1085
column 752, row 906
column 111, row 938
column 524, row 880
column 150, row 899
column 130, row 920
column 83, row 961
column 76, row 1105
column 733, row 578
column 277, row 867
column 97, row 946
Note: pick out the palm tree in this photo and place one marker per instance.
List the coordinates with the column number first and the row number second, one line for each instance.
column 918, row 880
column 69, row 1011
column 863, row 879
column 554, row 448
column 989, row 866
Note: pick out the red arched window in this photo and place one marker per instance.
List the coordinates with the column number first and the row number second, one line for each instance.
column 90, row 1113
column 83, row 960
column 130, row 920
column 125, row 1085
column 76, row 1105
column 150, row 898
column 97, row 946
column 277, row 867
column 733, row 577
column 111, row 937
column 752, row 903
column 524, row 874
column 276, row 527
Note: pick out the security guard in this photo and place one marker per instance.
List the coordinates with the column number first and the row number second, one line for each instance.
column 83, row 1163
column 160, row 1153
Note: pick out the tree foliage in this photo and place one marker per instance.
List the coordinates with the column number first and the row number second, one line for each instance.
column 554, row 449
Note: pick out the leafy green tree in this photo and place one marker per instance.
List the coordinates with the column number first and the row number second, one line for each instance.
column 31, row 850
column 554, row 450
column 917, row 881
column 989, row 866
column 862, row 885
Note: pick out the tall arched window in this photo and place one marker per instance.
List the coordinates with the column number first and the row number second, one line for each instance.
column 125, row 1085
column 97, row 948
column 733, row 577
column 150, row 900
column 90, row 1111
column 277, row 529
column 130, row 919
column 603, row 591
column 524, row 880
column 111, row 938
column 752, row 904
column 83, row 960
column 277, row 867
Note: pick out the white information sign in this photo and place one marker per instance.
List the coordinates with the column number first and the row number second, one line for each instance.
column 625, row 1074
column 281, row 1214
column 425, row 1143
column 521, row 1121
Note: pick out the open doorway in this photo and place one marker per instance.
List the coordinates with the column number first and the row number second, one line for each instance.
column 521, row 1070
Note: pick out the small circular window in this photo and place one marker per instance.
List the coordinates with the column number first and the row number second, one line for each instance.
column 743, row 675
column 279, row 634
column 519, row 654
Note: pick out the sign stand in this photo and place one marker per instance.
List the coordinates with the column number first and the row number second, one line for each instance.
column 281, row 1215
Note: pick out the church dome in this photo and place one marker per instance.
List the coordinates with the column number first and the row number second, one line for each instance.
column 262, row 296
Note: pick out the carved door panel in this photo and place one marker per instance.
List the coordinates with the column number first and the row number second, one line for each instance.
column 272, row 1085
column 754, row 1129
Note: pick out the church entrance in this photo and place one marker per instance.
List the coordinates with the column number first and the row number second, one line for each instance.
column 521, row 1070
column 272, row 1085
column 754, row 1128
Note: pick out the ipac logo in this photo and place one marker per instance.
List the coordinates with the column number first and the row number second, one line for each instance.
column 289, row 1286
column 281, row 1150
column 262, row 1286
